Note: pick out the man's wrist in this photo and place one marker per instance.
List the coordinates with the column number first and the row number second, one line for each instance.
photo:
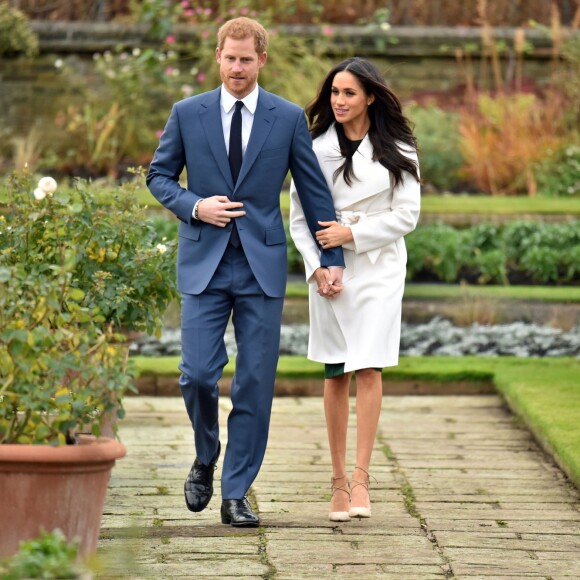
column 195, row 213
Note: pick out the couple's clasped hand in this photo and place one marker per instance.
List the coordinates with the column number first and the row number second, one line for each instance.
column 329, row 281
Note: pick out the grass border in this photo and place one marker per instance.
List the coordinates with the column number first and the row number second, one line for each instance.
column 413, row 291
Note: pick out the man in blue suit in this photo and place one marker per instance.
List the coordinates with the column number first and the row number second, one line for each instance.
column 237, row 144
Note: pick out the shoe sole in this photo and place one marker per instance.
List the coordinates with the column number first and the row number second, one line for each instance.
column 195, row 509
column 339, row 517
column 241, row 524
column 359, row 513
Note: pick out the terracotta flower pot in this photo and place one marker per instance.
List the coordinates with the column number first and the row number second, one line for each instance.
column 43, row 487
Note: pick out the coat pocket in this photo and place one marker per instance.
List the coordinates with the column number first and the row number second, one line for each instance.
column 275, row 236
column 189, row 232
column 276, row 152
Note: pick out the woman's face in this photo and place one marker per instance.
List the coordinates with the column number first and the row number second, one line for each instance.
column 348, row 99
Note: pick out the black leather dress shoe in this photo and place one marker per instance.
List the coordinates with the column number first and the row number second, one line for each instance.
column 198, row 486
column 238, row 513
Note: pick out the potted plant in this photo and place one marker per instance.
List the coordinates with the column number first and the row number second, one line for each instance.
column 59, row 377
column 68, row 279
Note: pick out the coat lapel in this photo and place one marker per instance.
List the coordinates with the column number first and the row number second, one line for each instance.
column 373, row 178
column 211, row 121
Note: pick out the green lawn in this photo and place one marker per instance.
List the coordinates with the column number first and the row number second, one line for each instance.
column 544, row 393
column 447, row 203
column 479, row 204
column 569, row 294
column 486, row 204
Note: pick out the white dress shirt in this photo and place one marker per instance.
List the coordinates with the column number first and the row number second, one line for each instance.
column 228, row 102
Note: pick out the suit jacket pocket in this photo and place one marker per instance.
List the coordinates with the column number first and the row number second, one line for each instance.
column 275, row 236
column 281, row 152
column 189, row 232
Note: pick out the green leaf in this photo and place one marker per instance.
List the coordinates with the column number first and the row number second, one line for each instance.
column 77, row 294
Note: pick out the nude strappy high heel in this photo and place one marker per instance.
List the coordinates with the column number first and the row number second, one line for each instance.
column 356, row 511
column 339, row 516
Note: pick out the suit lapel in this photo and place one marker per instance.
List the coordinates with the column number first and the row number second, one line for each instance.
column 264, row 120
column 211, row 121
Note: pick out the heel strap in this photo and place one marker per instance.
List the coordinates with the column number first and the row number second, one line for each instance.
column 344, row 488
column 365, row 483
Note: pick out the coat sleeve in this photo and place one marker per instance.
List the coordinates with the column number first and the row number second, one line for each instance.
column 301, row 235
column 312, row 190
column 387, row 227
column 165, row 170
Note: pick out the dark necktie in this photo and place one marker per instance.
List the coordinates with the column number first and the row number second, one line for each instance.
column 235, row 158
column 236, row 142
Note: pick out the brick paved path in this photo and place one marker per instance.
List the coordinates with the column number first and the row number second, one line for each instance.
column 463, row 492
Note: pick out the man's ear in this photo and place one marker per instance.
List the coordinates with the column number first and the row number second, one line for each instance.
column 262, row 59
column 218, row 54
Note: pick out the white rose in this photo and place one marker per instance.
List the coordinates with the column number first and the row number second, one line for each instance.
column 39, row 193
column 47, row 184
column 161, row 248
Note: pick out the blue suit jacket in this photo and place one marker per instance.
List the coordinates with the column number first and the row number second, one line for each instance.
column 280, row 141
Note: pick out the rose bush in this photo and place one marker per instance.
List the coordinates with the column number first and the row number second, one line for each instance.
column 74, row 269
column 120, row 271
column 59, row 375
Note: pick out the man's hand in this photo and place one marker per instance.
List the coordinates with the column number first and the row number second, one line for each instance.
column 218, row 210
column 336, row 275
column 329, row 282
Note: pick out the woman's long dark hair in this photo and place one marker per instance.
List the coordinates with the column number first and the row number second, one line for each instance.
column 388, row 124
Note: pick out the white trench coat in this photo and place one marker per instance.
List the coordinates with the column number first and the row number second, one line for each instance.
column 361, row 327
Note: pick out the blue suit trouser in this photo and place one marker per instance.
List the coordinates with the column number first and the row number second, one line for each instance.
column 233, row 291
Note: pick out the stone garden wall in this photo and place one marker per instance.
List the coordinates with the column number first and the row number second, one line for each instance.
column 418, row 61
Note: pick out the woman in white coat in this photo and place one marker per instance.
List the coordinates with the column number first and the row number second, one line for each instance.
column 367, row 152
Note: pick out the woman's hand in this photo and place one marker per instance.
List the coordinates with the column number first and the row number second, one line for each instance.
column 328, row 283
column 333, row 235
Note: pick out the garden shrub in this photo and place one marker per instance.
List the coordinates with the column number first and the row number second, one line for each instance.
column 435, row 251
column 438, row 137
column 559, row 173
column 16, row 36
column 502, row 137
